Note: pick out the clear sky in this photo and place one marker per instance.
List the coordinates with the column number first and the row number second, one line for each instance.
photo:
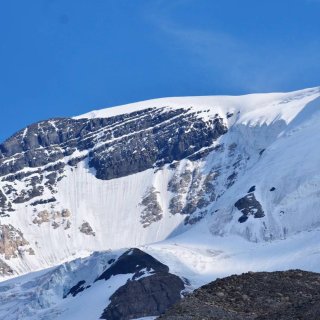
column 66, row 57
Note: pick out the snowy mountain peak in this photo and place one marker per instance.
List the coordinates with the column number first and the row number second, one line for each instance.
column 140, row 173
column 261, row 107
column 197, row 187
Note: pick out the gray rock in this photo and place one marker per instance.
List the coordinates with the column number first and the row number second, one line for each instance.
column 150, row 138
column 132, row 262
column 249, row 205
column 152, row 211
column 148, row 296
column 86, row 229
column 284, row 295
column 132, row 143
column 150, row 291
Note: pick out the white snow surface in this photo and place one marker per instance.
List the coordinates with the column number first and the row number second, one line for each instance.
column 195, row 255
column 277, row 136
column 254, row 108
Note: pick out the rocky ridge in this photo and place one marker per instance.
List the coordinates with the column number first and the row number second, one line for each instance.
column 114, row 147
column 285, row 295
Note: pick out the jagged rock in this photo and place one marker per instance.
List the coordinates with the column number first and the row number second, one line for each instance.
column 148, row 142
column 27, row 194
column 51, row 178
column 249, row 205
column 132, row 143
column 151, row 290
column 193, row 191
column 11, row 240
column 202, row 153
column 42, row 216
column 5, row 270
column 176, row 204
column 56, row 218
column 184, row 185
column 79, row 287
column 3, row 199
column 282, row 295
column 148, row 296
column 55, row 225
column 86, row 229
column 65, row 213
column 180, row 183
column 152, row 211
column 68, row 225
column 43, row 201
column 133, row 261
column 5, row 204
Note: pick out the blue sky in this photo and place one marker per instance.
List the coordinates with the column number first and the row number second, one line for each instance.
column 66, row 57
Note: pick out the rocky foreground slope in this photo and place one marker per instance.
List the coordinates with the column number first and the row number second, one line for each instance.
column 286, row 295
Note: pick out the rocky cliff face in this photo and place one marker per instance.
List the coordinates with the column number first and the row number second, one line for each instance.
column 34, row 161
column 114, row 147
column 144, row 139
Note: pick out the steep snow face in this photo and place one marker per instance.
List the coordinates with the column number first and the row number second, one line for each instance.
column 140, row 173
column 286, row 181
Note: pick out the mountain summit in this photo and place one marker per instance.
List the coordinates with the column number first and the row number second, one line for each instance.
column 206, row 186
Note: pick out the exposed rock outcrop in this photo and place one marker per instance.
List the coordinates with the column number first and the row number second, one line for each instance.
column 150, row 291
column 148, row 296
column 87, row 229
column 114, row 147
column 5, row 205
column 5, row 270
column 192, row 192
column 249, row 205
column 56, row 218
column 11, row 241
column 283, row 295
column 152, row 211
column 79, row 287
column 143, row 131
column 133, row 261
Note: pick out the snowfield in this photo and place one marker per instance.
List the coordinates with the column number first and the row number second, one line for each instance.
column 270, row 152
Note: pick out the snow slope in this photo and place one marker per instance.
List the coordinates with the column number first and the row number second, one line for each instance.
column 195, row 255
column 270, row 153
column 272, row 142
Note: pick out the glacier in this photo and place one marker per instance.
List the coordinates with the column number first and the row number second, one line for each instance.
column 242, row 192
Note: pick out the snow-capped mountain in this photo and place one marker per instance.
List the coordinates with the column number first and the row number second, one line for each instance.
column 207, row 186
